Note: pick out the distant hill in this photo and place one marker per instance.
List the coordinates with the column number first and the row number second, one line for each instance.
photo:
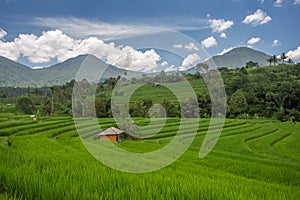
column 14, row 74
column 237, row 57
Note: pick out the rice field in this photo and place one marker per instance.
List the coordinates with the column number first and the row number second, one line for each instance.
column 253, row 159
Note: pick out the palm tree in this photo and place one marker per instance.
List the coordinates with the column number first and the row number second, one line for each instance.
column 290, row 61
column 275, row 59
column 270, row 60
column 283, row 57
column 52, row 100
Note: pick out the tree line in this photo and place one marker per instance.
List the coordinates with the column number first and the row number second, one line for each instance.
column 269, row 92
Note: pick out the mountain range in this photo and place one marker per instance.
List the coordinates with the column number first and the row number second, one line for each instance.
column 13, row 74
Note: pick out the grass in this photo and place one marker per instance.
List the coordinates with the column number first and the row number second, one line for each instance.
column 253, row 159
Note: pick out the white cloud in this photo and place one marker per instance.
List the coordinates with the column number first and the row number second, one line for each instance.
column 208, row 15
column 9, row 50
column 170, row 69
column 223, row 35
column 164, row 64
column 209, row 42
column 253, row 41
column 278, row 3
column 220, row 25
column 296, row 2
column 131, row 59
column 190, row 46
column 51, row 44
column 39, row 67
column 294, row 54
column 225, row 51
column 177, row 46
column 82, row 28
column 57, row 45
column 189, row 60
column 258, row 18
column 276, row 43
column 2, row 33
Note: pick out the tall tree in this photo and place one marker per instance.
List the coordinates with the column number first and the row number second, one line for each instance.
column 238, row 103
column 283, row 57
column 52, row 101
column 275, row 59
column 25, row 105
column 270, row 60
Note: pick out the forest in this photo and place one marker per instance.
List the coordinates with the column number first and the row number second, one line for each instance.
column 252, row 92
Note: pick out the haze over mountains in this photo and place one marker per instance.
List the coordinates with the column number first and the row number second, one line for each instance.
column 14, row 74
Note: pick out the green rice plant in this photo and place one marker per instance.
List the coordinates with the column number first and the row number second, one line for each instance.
column 249, row 161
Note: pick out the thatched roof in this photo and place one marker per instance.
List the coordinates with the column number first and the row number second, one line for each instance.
column 111, row 131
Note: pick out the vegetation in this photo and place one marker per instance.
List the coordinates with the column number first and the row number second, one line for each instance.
column 256, row 157
column 265, row 92
column 253, row 159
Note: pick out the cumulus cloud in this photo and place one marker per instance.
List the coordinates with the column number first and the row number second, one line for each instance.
column 170, row 69
column 2, row 33
column 278, row 3
column 220, row 25
column 276, row 43
column 9, row 50
column 132, row 59
column 258, row 18
column 57, row 45
column 191, row 46
column 209, row 42
column 223, row 35
column 253, row 40
column 189, row 60
column 294, row 54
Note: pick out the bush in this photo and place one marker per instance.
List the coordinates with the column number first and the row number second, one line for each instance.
column 25, row 105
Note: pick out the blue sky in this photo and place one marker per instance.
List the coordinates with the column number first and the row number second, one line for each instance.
column 271, row 26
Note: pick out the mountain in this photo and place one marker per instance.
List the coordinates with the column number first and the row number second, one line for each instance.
column 14, row 74
column 237, row 57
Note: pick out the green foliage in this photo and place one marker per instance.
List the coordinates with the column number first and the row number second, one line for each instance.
column 238, row 103
column 253, row 159
column 25, row 105
column 251, row 64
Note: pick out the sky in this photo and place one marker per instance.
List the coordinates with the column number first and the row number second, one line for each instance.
column 42, row 33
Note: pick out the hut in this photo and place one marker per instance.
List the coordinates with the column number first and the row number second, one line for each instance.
column 33, row 117
column 112, row 134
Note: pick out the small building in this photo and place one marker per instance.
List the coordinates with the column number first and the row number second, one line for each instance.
column 112, row 134
column 33, row 117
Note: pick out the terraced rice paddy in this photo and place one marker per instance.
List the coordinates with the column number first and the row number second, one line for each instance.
column 253, row 159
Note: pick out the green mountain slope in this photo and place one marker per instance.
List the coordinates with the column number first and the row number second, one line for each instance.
column 15, row 74
column 236, row 57
column 239, row 56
